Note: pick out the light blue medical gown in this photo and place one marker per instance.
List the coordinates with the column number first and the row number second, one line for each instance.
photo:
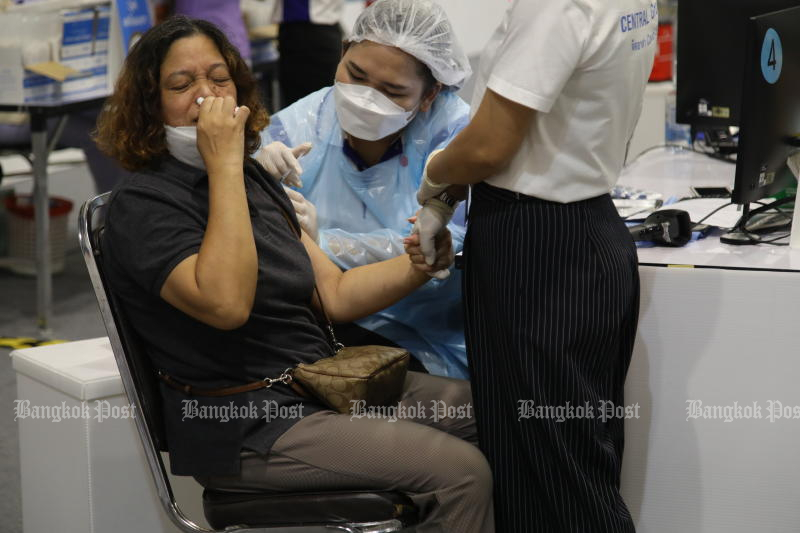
column 362, row 217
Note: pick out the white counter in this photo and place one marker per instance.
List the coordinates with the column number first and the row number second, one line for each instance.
column 722, row 332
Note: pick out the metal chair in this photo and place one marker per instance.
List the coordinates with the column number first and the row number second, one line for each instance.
column 231, row 511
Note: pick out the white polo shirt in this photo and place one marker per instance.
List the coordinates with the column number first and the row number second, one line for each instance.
column 583, row 65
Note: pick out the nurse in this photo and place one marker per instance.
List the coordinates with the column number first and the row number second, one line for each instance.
column 551, row 285
column 356, row 152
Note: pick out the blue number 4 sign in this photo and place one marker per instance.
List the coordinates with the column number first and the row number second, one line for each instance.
column 771, row 56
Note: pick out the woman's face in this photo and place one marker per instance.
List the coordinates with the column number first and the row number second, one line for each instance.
column 388, row 70
column 193, row 67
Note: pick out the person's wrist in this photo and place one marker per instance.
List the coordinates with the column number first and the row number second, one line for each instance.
column 444, row 208
column 225, row 176
column 224, row 165
column 417, row 276
column 448, row 199
column 429, row 188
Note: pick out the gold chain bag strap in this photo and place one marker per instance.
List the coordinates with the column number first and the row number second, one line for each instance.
column 355, row 375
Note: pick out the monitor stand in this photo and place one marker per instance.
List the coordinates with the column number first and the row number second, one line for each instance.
column 794, row 239
column 737, row 237
column 752, row 225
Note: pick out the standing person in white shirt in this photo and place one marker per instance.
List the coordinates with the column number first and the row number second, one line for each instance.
column 551, row 285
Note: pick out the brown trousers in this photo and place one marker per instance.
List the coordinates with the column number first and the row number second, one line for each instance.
column 428, row 450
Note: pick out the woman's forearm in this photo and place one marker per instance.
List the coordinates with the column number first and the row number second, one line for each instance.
column 227, row 264
column 217, row 285
column 370, row 288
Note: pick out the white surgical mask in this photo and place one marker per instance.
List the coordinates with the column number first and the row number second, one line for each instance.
column 367, row 113
column 182, row 144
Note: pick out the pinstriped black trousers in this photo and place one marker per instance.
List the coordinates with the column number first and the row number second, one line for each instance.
column 551, row 296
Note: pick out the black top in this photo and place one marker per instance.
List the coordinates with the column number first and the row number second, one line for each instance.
column 395, row 149
column 156, row 219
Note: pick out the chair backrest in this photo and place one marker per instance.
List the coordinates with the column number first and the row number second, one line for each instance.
column 137, row 373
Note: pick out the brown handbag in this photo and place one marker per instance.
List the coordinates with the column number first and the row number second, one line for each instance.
column 353, row 378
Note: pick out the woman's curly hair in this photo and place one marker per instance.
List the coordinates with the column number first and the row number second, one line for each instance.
column 130, row 128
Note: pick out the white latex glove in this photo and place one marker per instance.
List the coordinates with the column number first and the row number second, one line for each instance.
column 431, row 220
column 281, row 161
column 794, row 164
column 444, row 273
column 444, row 254
column 306, row 213
column 427, row 188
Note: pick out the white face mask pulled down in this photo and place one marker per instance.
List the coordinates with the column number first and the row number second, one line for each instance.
column 368, row 114
column 182, row 144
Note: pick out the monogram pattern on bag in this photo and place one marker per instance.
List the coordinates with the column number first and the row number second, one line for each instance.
column 374, row 374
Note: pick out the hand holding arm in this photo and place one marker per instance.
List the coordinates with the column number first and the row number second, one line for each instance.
column 431, row 220
column 443, row 253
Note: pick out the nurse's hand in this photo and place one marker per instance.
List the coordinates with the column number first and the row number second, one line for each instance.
column 281, row 161
column 431, row 220
column 306, row 213
column 444, row 254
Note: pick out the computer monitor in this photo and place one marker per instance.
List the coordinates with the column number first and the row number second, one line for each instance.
column 770, row 122
column 711, row 50
column 770, row 111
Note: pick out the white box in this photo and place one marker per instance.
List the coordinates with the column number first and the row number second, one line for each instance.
column 77, row 38
column 93, row 78
column 84, row 472
column 18, row 85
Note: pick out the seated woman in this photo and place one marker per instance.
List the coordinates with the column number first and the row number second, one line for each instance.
column 392, row 104
column 201, row 251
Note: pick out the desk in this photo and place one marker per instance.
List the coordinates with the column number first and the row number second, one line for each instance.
column 722, row 330
column 39, row 112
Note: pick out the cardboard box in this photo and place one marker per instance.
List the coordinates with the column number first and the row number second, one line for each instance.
column 103, row 22
column 92, row 79
column 78, row 32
